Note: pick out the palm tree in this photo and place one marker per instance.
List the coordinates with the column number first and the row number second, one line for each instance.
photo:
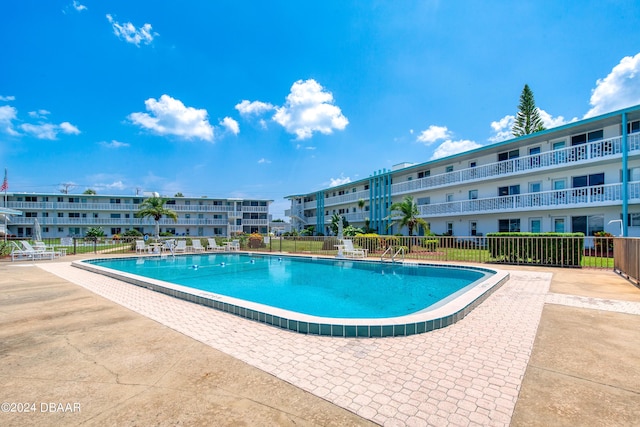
column 154, row 207
column 405, row 213
column 335, row 219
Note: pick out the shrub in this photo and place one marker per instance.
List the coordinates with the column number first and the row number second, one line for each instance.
column 256, row 241
column 558, row 249
column 430, row 244
column 372, row 242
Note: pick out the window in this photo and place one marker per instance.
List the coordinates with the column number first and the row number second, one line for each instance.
column 115, row 216
column 589, row 225
column 60, row 200
column 507, row 155
column 424, row 174
column 31, row 199
column 587, row 137
column 366, row 187
column 509, row 190
column 74, row 199
column 558, row 225
column 634, row 220
column 450, row 228
column 509, row 225
column 534, row 160
column 473, row 194
column 534, row 150
column 60, row 215
column 633, row 127
column 473, row 164
column 448, row 169
column 424, row 200
column 535, row 187
column 535, row 225
column 473, row 228
column 74, row 214
column 31, row 214
column 633, row 174
column 593, row 180
column 116, row 230
column 450, row 197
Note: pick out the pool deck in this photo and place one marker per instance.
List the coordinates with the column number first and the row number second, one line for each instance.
column 550, row 347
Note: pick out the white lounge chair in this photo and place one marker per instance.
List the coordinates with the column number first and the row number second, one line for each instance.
column 35, row 253
column 181, row 246
column 196, row 244
column 234, row 245
column 19, row 253
column 350, row 252
column 141, row 247
column 213, row 245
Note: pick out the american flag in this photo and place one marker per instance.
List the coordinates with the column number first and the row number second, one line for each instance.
column 5, row 183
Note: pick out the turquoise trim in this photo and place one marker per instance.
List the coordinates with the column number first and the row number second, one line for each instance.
column 625, row 176
column 320, row 212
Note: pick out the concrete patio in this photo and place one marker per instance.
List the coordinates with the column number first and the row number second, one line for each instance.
column 551, row 347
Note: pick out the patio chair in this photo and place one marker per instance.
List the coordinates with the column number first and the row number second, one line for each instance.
column 19, row 253
column 36, row 254
column 141, row 247
column 350, row 252
column 213, row 245
column 234, row 245
column 181, row 246
column 196, row 244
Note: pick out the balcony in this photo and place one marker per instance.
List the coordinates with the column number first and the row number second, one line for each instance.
column 127, row 207
column 341, row 199
column 602, row 195
column 97, row 222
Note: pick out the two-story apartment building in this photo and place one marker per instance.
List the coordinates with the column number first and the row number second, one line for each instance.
column 580, row 177
column 62, row 215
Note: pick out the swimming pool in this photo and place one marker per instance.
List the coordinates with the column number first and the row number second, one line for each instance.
column 314, row 295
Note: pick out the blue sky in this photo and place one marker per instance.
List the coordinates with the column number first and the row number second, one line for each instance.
column 269, row 99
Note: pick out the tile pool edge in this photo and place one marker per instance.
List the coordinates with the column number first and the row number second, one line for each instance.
column 416, row 323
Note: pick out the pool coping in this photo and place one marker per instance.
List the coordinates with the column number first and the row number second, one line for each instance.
column 423, row 321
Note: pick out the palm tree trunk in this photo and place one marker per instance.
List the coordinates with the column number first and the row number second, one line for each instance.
column 157, row 230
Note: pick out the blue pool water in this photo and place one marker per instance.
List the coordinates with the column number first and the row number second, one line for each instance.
column 318, row 287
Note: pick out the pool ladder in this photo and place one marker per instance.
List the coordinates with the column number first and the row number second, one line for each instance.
column 392, row 254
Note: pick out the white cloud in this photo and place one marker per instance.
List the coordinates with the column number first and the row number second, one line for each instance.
column 114, row 144
column 433, row 134
column 231, row 125
column 7, row 98
column 49, row 130
column 68, row 128
column 502, row 128
column 7, row 115
column 620, row 89
column 339, row 181
column 79, row 7
column 263, row 160
column 117, row 185
column 169, row 116
column 39, row 114
column 449, row 148
column 309, row 109
column 255, row 107
column 130, row 33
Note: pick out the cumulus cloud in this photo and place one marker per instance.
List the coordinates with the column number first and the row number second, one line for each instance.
column 339, row 181
column 49, row 130
column 79, row 7
column 502, row 128
column 7, row 115
column 39, row 114
column 231, row 125
column 263, row 160
column 7, row 98
column 169, row 116
column 308, row 109
column 449, row 148
column 129, row 33
column 253, row 108
column 114, row 144
column 620, row 89
column 433, row 134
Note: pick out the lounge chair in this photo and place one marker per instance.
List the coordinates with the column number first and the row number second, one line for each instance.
column 350, row 252
column 234, row 245
column 213, row 245
column 181, row 246
column 141, row 247
column 19, row 253
column 196, row 244
column 35, row 253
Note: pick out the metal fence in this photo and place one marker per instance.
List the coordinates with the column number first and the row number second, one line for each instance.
column 627, row 258
column 590, row 252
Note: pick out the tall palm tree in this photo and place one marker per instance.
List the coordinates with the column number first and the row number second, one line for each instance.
column 405, row 213
column 154, row 207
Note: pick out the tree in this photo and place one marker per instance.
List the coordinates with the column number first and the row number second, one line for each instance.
column 178, row 194
column 335, row 219
column 154, row 207
column 528, row 118
column 89, row 191
column 405, row 213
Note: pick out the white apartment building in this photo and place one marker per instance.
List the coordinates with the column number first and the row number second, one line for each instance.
column 64, row 215
column 580, row 177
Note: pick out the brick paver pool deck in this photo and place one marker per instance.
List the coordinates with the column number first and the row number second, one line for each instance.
column 470, row 373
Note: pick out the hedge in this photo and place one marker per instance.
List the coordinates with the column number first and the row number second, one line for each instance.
column 552, row 249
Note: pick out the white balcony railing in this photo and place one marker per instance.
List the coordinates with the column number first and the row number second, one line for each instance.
column 127, row 207
column 610, row 194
